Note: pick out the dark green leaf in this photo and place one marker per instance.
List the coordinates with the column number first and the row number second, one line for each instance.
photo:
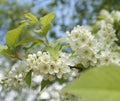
column 28, row 78
column 118, row 51
column 44, row 83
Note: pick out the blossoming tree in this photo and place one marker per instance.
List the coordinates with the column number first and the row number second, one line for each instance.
column 83, row 48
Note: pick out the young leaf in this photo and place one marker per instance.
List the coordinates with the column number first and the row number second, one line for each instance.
column 28, row 40
column 97, row 84
column 28, row 78
column 33, row 19
column 65, row 46
column 4, row 50
column 45, row 29
column 54, row 48
column 45, row 20
column 3, row 47
column 13, row 35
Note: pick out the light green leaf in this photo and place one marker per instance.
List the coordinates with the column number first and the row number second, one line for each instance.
column 65, row 46
column 28, row 40
column 13, row 35
column 23, row 22
column 97, row 84
column 3, row 47
column 33, row 19
column 45, row 20
column 4, row 50
column 100, row 17
column 38, row 31
column 28, row 78
column 45, row 29
column 54, row 48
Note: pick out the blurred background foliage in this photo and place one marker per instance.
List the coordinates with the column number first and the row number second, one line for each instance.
column 68, row 13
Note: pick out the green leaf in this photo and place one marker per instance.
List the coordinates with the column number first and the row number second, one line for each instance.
column 33, row 19
column 28, row 78
column 38, row 31
column 4, row 50
column 100, row 17
column 28, row 40
column 97, row 84
column 45, row 29
column 23, row 22
column 118, row 51
column 65, row 46
column 44, row 83
column 3, row 47
column 45, row 20
column 54, row 48
column 13, row 35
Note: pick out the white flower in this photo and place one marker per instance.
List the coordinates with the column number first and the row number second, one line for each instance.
column 49, row 77
column 45, row 58
column 107, row 16
column 53, row 69
column 75, row 35
column 62, row 68
column 44, row 68
column 116, row 15
column 105, row 58
column 115, row 57
column 39, row 53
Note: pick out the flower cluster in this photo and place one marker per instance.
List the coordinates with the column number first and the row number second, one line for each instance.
column 109, row 17
column 16, row 76
column 44, row 64
column 88, row 50
column 93, row 49
column 41, row 64
column 84, row 45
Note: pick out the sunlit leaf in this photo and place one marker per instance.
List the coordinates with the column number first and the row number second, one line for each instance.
column 100, row 17
column 97, row 84
column 3, row 47
column 4, row 50
column 33, row 19
column 45, row 20
column 38, row 31
column 54, row 48
column 65, row 46
column 13, row 35
column 28, row 40
column 45, row 29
